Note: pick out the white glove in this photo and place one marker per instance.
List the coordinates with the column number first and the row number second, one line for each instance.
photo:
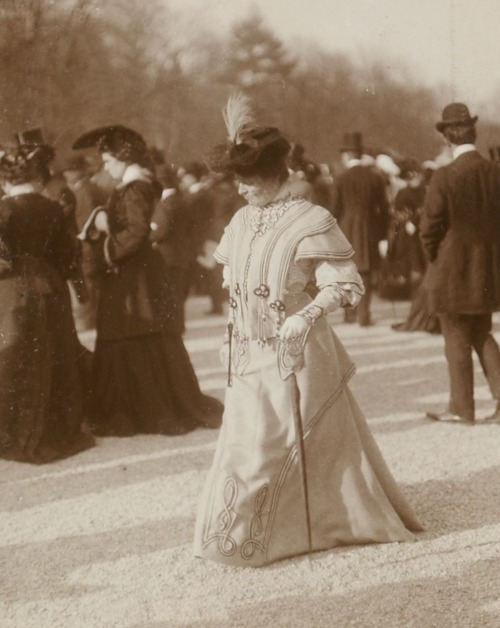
column 383, row 245
column 294, row 328
column 410, row 228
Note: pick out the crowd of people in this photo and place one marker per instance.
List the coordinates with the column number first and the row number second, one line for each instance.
column 279, row 242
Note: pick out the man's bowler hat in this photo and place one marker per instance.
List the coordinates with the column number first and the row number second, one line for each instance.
column 455, row 114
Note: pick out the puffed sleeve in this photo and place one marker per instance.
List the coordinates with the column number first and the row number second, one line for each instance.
column 341, row 277
column 329, row 245
column 339, row 285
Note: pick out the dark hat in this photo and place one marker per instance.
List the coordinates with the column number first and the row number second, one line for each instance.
column 123, row 143
column 455, row 114
column 106, row 137
column 31, row 137
column 408, row 167
column 353, row 142
column 196, row 169
column 261, row 151
column 253, row 149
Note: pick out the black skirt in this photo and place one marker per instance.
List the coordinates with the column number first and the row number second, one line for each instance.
column 42, row 368
column 147, row 385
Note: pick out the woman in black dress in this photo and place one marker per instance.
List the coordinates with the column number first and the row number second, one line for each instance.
column 41, row 397
column 143, row 379
column 406, row 255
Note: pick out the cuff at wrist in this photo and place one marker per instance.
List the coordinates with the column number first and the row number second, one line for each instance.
column 311, row 313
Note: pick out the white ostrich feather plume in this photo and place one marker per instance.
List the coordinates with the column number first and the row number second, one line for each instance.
column 238, row 116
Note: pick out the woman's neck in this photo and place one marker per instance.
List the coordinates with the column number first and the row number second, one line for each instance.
column 282, row 192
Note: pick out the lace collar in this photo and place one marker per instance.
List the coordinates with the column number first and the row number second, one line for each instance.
column 262, row 219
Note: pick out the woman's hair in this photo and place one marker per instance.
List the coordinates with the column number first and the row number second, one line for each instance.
column 460, row 133
column 130, row 150
column 21, row 164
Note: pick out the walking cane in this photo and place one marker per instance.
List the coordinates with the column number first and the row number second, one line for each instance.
column 301, row 454
column 230, row 347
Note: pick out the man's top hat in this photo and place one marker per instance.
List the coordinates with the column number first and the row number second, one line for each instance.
column 455, row 114
column 353, row 143
column 31, row 137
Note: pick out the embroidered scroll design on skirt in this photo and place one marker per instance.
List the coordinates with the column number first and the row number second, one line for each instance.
column 256, row 528
column 225, row 519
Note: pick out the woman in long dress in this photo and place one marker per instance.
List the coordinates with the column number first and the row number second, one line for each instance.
column 143, row 380
column 406, row 255
column 296, row 468
column 41, row 396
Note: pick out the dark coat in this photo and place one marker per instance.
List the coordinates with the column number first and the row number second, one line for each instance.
column 41, row 398
column 460, row 232
column 200, row 206
column 361, row 207
column 172, row 234
column 134, row 297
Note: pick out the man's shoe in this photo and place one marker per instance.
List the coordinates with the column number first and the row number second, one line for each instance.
column 448, row 417
column 492, row 418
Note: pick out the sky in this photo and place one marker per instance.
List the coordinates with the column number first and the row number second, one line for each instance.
column 450, row 44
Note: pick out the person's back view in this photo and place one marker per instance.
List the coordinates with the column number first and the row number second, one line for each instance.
column 42, row 410
column 461, row 236
column 171, row 235
column 361, row 207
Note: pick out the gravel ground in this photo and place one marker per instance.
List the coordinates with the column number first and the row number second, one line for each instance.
column 104, row 539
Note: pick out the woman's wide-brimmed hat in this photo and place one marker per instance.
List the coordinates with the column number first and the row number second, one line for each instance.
column 455, row 114
column 106, row 137
column 260, row 152
column 252, row 149
column 125, row 144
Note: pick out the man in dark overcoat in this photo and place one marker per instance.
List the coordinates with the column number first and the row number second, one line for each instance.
column 460, row 232
column 361, row 207
column 171, row 234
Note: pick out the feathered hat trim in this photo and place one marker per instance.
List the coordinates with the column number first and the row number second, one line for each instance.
column 251, row 149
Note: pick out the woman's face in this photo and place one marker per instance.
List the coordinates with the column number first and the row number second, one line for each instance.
column 258, row 191
column 113, row 166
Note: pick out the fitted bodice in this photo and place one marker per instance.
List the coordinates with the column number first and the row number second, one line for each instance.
column 34, row 238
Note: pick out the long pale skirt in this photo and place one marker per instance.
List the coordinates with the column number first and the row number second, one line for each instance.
column 252, row 511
